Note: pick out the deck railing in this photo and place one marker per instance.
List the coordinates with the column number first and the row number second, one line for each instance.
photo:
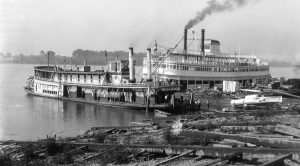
column 92, row 84
column 136, row 85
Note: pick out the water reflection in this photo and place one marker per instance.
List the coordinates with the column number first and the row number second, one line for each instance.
column 45, row 116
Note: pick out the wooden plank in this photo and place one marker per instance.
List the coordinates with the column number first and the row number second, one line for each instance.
column 278, row 161
column 174, row 158
column 288, row 130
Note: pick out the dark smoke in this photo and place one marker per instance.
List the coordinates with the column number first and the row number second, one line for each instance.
column 215, row 6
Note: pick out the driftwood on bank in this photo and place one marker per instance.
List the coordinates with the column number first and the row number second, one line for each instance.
column 278, row 161
column 288, row 130
column 174, row 158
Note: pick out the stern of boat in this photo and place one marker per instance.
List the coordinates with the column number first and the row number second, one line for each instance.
column 29, row 87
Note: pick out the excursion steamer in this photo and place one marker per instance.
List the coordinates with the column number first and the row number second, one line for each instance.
column 206, row 65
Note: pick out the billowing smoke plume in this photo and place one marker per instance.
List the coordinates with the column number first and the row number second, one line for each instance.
column 215, row 6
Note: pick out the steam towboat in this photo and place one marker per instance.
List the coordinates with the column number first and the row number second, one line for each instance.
column 115, row 85
column 205, row 65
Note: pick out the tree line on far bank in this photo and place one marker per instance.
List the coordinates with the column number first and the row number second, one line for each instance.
column 78, row 57
column 93, row 58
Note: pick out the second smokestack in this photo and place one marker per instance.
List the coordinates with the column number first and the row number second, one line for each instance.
column 185, row 40
column 148, row 64
column 202, row 40
column 131, row 66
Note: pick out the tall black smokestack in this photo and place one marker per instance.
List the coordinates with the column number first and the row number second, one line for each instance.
column 185, row 40
column 202, row 40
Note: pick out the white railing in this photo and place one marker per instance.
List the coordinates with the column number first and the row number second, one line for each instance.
column 92, row 83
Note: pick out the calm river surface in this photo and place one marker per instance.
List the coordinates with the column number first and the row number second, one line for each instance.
column 28, row 117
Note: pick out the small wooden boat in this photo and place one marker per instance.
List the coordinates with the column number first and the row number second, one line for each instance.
column 159, row 113
column 257, row 100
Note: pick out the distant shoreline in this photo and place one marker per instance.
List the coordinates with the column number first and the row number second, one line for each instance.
column 275, row 65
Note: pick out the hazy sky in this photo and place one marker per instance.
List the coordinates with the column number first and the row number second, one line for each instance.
column 270, row 27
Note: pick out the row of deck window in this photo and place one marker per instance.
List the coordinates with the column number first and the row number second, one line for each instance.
column 44, row 86
column 214, row 69
column 50, row 92
column 233, row 61
column 78, row 78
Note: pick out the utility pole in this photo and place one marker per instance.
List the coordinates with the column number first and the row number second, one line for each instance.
column 71, row 62
column 48, row 57
column 105, row 53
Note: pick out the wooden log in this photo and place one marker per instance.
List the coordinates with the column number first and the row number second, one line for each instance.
column 96, row 155
column 174, row 158
column 293, row 120
column 211, row 162
column 233, row 142
column 288, row 130
column 74, row 150
column 267, row 142
column 278, row 161
column 225, row 160
column 135, row 155
column 246, row 128
column 107, row 131
column 198, row 158
column 221, row 163
column 276, row 136
column 17, row 150
column 205, row 123
column 289, row 162
column 285, row 93
column 39, row 151
column 205, row 149
column 119, row 127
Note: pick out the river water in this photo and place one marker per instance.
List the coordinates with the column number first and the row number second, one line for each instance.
column 25, row 117
column 31, row 117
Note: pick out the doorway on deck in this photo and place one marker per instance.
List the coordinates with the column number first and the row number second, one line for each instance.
column 79, row 92
column 65, row 92
column 211, row 84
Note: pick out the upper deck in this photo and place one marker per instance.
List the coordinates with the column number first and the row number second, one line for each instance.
column 210, row 60
column 96, row 78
